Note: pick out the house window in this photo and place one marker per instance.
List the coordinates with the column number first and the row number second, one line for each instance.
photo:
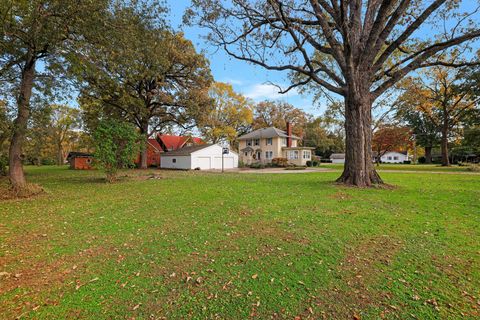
column 389, row 158
column 269, row 141
column 249, row 142
column 306, row 154
column 268, row 154
column 395, row 158
column 174, row 160
column 284, row 142
column 259, row 154
column 293, row 155
column 246, row 154
column 257, row 142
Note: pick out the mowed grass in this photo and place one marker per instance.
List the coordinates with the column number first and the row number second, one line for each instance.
column 406, row 167
column 193, row 245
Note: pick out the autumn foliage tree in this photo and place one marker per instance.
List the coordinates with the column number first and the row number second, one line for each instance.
column 34, row 32
column 391, row 138
column 144, row 73
column 277, row 113
column 355, row 49
column 231, row 115
column 440, row 96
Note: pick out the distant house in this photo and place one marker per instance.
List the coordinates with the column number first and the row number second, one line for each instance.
column 204, row 157
column 337, row 157
column 80, row 160
column 394, row 157
column 263, row 145
column 388, row 157
column 162, row 144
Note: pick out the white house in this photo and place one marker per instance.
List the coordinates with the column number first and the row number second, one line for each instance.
column 337, row 157
column 204, row 157
column 394, row 157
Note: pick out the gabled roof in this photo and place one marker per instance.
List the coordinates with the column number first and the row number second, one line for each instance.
column 172, row 142
column 270, row 132
column 186, row 151
column 154, row 143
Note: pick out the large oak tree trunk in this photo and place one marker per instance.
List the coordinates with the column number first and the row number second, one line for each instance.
column 143, row 150
column 359, row 167
column 16, row 174
column 428, row 154
column 444, row 147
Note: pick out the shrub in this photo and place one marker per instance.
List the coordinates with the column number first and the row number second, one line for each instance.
column 279, row 162
column 422, row 160
column 257, row 166
column 116, row 146
column 407, row 162
column 3, row 165
column 309, row 163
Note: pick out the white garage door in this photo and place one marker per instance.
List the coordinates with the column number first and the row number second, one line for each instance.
column 204, row 163
column 228, row 162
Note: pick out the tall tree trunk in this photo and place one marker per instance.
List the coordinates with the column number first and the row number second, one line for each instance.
column 428, row 154
column 59, row 154
column 16, row 174
column 444, row 145
column 143, row 151
column 359, row 168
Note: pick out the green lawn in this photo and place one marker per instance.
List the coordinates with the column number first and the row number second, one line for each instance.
column 236, row 246
column 406, row 167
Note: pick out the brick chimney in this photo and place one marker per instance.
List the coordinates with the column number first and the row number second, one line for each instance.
column 289, row 134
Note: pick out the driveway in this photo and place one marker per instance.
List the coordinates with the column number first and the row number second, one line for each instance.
column 281, row 170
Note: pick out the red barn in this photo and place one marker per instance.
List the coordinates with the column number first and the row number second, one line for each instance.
column 166, row 143
column 153, row 153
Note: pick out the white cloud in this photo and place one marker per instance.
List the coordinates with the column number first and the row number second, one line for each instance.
column 233, row 81
column 268, row 91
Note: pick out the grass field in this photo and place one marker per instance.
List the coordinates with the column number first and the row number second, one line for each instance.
column 237, row 246
column 406, row 167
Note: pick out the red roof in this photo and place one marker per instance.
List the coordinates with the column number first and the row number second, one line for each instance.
column 155, row 144
column 172, row 142
column 198, row 140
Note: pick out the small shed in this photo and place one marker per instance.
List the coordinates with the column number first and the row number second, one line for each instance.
column 203, row 157
column 80, row 160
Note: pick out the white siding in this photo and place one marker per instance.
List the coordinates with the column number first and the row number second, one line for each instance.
column 338, row 160
column 175, row 162
column 394, row 157
column 205, row 159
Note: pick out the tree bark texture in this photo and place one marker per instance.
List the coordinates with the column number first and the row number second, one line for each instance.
column 444, row 146
column 359, row 167
column 143, row 149
column 16, row 174
column 428, row 154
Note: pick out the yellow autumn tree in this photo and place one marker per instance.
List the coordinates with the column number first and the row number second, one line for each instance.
column 440, row 96
column 230, row 116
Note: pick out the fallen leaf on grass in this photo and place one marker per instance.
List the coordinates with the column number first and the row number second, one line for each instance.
column 137, row 306
column 255, row 276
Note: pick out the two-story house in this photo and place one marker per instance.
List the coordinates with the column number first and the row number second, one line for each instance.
column 263, row 145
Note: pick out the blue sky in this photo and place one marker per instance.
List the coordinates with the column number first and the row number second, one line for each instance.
column 250, row 80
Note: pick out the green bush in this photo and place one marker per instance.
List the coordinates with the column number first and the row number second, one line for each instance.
column 257, row 166
column 422, row 160
column 3, row 165
column 116, row 146
column 279, row 162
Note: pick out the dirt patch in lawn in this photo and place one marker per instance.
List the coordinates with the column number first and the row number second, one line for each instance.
column 361, row 269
